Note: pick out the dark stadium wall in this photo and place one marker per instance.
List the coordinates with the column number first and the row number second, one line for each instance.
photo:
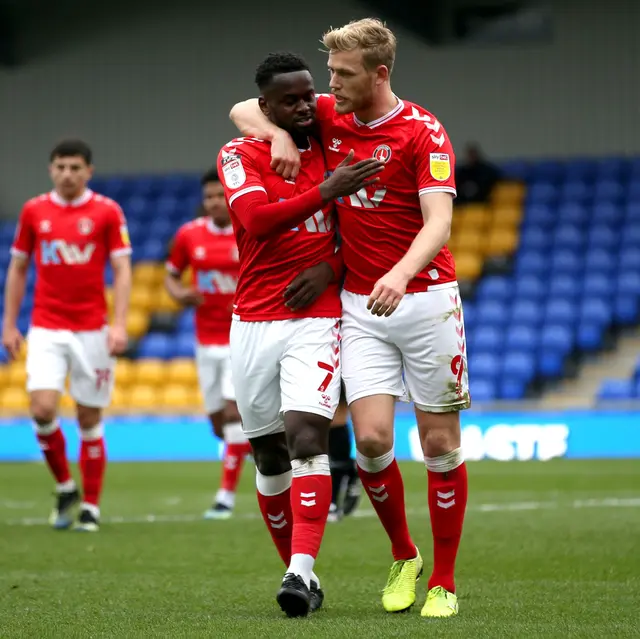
column 151, row 92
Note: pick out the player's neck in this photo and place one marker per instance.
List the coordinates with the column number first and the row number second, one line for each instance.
column 72, row 198
column 384, row 102
column 301, row 140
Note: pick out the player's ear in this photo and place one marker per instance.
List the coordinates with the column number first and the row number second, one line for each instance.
column 262, row 103
column 382, row 74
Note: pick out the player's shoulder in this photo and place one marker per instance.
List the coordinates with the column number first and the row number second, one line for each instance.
column 192, row 227
column 413, row 112
column 245, row 146
column 105, row 204
column 37, row 202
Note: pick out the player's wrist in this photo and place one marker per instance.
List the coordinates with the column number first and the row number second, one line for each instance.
column 405, row 271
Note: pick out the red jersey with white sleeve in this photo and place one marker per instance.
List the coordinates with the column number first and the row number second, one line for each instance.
column 379, row 222
column 212, row 254
column 72, row 243
column 269, row 264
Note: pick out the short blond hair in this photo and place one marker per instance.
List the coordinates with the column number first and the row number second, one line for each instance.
column 377, row 42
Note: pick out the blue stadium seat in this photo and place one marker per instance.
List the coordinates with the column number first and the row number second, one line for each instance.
column 483, row 390
column 532, row 263
column 590, row 336
column 612, row 389
column 626, row 310
column 530, row 287
column 542, row 193
column 135, row 207
column 491, row 313
column 484, row 366
column 539, row 216
column 7, row 231
column 534, row 239
column 186, row 321
column 550, row 364
column 631, row 237
column 568, row 236
column 596, row 310
column 607, row 214
column 632, row 212
column 603, row 236
column 573, row 213
column 565, row 286
column 580, row 169
column 487, row 339
column 146, row 185
column 152, row 250
column 115, row 188
column 512, row 389
column 629, row 283
column 548, row 171
column 154, row 345
column 166, row 206
column 557, row 338
column 515, row 170
column 527, row 311
column 522, row 337
column 576, row 192
column 162, row 229
column 597, row 284
column 611, row 169
column 183, row 346
column 495, row 287
column 561, row 311
column 600, row 260
column 629, row 260
column 519, row 366
column 633, row 190
column 565, row 262
column 611, row 190
column 108, row 275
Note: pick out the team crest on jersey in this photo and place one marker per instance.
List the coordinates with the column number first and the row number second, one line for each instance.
column 45, row 226
column 232, row 169
column 382, row 153
column 440, row 166
column 85, row 226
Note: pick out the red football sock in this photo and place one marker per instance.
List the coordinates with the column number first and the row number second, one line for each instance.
column 276, row 510
column 232, row 467
column 382, row 480
column 447, row 504
column 93, row 462
column 54, row 449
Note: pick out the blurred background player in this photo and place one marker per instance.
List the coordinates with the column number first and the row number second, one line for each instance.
column 72, row 233
column 208, row 247
column 286, row 360
column 345, row 483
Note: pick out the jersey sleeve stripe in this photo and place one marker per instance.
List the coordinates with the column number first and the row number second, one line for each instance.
column 249, row 189
column 120, row 252
column 437, row 189
column 172, row 268
column 18, row 253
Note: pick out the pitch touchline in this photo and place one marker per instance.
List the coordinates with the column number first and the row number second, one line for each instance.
column 610, row 502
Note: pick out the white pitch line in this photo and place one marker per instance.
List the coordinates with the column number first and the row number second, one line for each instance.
column 608, row 502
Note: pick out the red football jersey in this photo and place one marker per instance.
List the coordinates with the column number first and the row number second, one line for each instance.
column 379, row 223
column 212, row 254
column 268, row 266
column 72, row 243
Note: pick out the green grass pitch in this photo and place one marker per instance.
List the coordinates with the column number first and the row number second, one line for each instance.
column 550, row 549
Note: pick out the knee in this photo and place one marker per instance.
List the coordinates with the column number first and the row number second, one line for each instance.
column 43, row 410
column 270, row 454
column 375, row 440
column 307, row 435
column 439, row 433
column 88, row 417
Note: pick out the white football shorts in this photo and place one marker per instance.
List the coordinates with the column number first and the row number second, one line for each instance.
column 214, row 375
column 54, row 354
column 418, row 354
column 284, row 365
